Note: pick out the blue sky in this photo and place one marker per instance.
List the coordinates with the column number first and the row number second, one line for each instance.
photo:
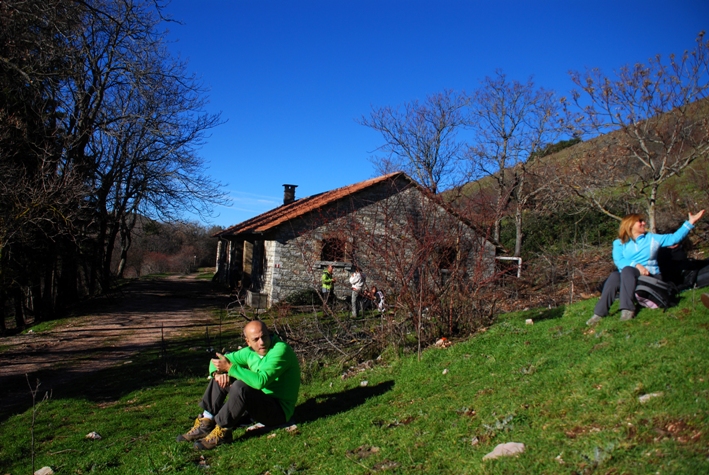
column 291, row 78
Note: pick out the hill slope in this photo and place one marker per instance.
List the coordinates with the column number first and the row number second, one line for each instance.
column 571, row 394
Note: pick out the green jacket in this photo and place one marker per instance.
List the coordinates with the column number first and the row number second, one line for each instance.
column 326, row 280
column 276, row 374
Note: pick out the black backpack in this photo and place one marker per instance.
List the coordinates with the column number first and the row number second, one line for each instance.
column 661, row 294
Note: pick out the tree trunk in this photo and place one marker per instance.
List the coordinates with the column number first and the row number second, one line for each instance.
column 519, row 190
column 3, row 329
column 17, row 298
column 651, row 209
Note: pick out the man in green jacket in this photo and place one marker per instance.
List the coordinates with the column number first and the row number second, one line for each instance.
column 262, row 379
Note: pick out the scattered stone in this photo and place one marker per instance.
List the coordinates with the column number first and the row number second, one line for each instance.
column 443, row 343
column 505, row 450
column 529, row 321
column 44, row 471
column 646, row 397
column 364, row 383
column 384, row 465
column 445, row 371
column 358, row 369
column 93, row 436
column 363, row 451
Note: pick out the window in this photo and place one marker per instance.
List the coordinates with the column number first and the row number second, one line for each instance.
column 333, row 250
column 446, row 257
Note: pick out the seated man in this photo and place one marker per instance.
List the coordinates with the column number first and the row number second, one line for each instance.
column 262, row 379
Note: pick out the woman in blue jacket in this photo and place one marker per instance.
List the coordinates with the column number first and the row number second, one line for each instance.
column 635, row 254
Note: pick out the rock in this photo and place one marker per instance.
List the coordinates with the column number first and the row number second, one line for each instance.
column 529, row 321
column 443, row 343
column 646, row 397
column 505, row 450
column 44, row 471
column 93, row 436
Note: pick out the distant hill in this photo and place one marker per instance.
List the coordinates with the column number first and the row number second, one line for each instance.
column 601, row 158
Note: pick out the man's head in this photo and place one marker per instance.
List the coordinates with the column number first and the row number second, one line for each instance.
column 258, row 337
column 329, row 269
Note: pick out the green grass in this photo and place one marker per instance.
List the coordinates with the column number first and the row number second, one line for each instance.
column 205, row 273
column 569, row 393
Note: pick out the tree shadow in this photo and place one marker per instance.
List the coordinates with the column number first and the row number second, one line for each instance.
column 136, row 367
column 548, row 314
column 325, row 405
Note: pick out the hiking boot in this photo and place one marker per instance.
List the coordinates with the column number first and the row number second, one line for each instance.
column 201, row 428
column 593, row 320
column 218, row 436
column 626, row 315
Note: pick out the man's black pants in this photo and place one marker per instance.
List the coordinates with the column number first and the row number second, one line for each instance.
column 227, row 411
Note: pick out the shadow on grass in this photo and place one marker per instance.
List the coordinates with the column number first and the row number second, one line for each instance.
column 325, row 405
column 548, row 314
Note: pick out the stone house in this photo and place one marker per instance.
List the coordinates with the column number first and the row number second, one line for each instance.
column 389, row 226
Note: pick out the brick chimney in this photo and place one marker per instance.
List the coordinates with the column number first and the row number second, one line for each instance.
column 289, row 193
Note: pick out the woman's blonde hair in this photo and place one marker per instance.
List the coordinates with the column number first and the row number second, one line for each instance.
column 625, row 232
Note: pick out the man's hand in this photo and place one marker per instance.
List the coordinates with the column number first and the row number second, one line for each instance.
column 642, row 269
column 222, row 379
column 222, row 375
column 222, row 364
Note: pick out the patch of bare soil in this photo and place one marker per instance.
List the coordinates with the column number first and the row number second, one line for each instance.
column 108, row 333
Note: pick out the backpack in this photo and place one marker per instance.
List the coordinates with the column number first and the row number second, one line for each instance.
column 655, row 293
column 702, row 279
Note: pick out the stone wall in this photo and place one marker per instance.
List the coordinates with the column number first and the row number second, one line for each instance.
column 384, row 222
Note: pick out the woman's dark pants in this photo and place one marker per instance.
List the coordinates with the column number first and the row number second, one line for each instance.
column 625, row 281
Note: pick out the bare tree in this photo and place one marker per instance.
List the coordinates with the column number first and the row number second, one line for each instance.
column 421, row 139
column 511, row 121
column 658, row 117
column 39, row 199
column 97, row 123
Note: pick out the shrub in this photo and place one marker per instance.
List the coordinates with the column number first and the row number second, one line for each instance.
column 304, row 297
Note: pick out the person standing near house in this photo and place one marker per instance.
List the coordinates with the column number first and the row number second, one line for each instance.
column 262, row 379
column 377, row 296
column 327, row 284
column 357, row 281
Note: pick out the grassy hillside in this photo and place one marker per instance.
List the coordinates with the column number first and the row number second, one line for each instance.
column 573, row 395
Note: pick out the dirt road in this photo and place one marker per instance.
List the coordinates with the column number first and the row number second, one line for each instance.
column 108, row 332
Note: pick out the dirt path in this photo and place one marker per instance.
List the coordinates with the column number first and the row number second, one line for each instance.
column 109, row 333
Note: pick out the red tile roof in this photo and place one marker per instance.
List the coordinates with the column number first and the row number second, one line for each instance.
column 270, row 219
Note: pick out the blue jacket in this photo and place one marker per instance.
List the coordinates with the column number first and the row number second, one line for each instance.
column 644, row 249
